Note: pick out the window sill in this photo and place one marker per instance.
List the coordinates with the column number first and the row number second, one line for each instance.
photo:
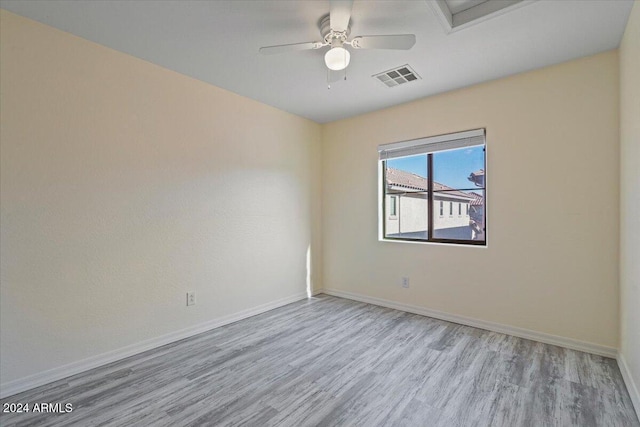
column 482, row 245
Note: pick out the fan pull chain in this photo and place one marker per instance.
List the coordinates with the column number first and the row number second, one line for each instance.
column 329, row 76
column 345, row 61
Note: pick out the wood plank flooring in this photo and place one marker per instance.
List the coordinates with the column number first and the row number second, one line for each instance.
column 335, row 362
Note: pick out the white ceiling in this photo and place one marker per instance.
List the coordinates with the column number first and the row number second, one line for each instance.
column 218, row 41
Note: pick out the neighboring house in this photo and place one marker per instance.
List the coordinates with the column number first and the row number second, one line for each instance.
column 456, row 214
column 477, row 178
column 407, row 206
column 476, row 213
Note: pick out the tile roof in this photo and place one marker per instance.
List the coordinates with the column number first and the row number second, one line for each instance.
column 477, row 177
column 406, row 179
column 411, row 181
column 478, row 199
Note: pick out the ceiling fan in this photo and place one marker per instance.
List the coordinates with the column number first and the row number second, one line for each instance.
column 335, row 30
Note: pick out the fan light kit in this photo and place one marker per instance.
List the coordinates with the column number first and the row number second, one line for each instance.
column 337, row 58
column 335, row 30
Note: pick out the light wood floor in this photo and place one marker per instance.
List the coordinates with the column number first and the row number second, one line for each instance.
column 333, row 362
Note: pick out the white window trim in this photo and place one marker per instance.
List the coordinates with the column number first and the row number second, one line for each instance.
column 432, row 144
column 421, row 142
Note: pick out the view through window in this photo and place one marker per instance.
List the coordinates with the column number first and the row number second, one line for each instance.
column 436, row 195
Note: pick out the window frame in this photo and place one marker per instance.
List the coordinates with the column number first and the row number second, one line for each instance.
column 382, row 185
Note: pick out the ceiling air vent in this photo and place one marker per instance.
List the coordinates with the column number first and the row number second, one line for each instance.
column 397, row 76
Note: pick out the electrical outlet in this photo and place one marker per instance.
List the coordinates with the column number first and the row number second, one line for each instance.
column 191, row 298
column 405, row 282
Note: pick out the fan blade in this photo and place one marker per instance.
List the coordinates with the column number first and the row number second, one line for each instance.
column 397, row 41
column 282, row 48
column 339, row 14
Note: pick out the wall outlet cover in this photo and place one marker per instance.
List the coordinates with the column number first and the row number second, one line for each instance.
column 191, row 298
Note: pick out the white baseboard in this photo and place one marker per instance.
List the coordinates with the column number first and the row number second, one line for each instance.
column 632, row 387
column 41, row 378
column 317, row 292
column 573, row 344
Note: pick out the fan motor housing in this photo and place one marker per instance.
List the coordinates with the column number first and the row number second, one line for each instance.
column 328, row 34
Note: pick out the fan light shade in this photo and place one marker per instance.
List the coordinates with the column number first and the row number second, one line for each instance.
column 337, row 58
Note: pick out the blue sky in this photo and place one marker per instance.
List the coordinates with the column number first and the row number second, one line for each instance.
column 451, row 168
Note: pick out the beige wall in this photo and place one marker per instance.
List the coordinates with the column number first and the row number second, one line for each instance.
column 551, row 264
column 630, row 200
column 124, row 185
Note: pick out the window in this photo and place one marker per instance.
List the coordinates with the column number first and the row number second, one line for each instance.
column 420, row 176
column 393, row 210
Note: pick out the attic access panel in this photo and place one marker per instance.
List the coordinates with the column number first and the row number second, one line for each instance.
column 455, row 15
